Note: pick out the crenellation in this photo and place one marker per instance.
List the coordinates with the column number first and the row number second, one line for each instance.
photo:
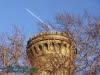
column 45, row 33
column 52, row 32
column 58, row 32
column 40, row 34
column 34, row 36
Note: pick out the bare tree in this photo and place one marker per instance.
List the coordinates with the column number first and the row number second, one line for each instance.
column 13, row 48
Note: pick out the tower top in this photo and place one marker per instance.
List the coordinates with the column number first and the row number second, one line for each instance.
column 46, row 48
column 50, row 36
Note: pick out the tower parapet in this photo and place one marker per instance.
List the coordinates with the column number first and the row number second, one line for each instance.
column 46, row 48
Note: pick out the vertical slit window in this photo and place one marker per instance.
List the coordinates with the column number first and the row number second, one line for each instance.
column 31, row 52
column 40, row 47
column 59, row 44
column 46, row 45
column 35, row 50
column 53, row 44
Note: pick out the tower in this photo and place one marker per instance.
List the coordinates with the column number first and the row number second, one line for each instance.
column 52, row 53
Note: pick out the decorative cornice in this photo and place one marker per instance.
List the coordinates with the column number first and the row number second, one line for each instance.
column 50, row 36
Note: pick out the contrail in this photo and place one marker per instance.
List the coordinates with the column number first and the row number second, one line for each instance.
column 38, row 18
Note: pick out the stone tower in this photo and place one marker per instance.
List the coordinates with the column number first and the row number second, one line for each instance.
column 52, row 53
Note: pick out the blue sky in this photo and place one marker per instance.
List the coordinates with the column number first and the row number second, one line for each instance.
column 12, row 12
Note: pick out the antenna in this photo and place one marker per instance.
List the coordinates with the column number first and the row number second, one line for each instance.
column 38, row 18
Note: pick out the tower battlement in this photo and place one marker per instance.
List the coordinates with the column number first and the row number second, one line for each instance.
column 51, row 33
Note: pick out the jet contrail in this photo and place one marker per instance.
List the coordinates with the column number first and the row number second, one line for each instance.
column 38, row 18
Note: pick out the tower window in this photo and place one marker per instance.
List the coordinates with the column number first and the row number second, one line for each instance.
column 31, row 52
column 40, row 47
column 46, row 45
column 53, row 44
column 35, row 50
column 59, row 44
